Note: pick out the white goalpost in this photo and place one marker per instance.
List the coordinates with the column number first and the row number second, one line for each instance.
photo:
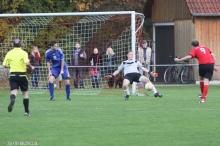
column 120, row 30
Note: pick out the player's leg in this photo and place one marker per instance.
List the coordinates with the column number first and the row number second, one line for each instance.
column 26, row 103
column 55, row 73
column 14, row 90
column 208, row 72
column 154, row 90
column 126, row 82
column 205, row 90
column 23, row 83
column 66, row 77
column 67, row 83
column 201, row 79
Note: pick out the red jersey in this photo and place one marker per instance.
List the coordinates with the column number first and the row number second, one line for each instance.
column 203, row 54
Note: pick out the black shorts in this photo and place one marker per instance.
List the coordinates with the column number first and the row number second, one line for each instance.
column 18, row 79
column 133, row 77
column 206, row 70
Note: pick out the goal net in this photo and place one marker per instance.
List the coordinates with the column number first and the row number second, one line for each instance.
column 120, row 31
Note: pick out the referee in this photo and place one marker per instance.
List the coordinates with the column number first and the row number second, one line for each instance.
column 17, row 60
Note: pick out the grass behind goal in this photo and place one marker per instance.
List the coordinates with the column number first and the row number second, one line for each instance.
column 177, row 119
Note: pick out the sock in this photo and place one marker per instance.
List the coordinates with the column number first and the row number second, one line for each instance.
column 205, row 91
column 67, row 91
column 26, row 104
column 51, row 88
column 126, row 91
column 201, row 86
column 12, row 97
column 154, row 90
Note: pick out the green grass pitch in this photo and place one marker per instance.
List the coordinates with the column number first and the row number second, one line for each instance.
column 176, row 119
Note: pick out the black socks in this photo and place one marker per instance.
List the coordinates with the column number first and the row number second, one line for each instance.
column 26, row 105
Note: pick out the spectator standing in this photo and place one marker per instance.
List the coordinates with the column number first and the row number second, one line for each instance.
column 144, row 56
column 78, row 59
column 35, row 61
column 96, row 60
column 110, row 59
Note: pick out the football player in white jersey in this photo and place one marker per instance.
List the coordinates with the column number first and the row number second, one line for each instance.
column 131, row 74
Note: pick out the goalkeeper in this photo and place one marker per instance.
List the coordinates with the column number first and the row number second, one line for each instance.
column 131, row 74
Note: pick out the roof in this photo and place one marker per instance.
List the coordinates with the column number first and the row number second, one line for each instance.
column 203, row 6
column 196, row 7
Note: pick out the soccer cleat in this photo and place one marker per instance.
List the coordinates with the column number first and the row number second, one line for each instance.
column 11, row 105
column 158, row 95
column 126, row 97
column 26, row 114
column 139, row 94
column 68, row 98
column 52, row 99
column 200, row 96
column 202, row 101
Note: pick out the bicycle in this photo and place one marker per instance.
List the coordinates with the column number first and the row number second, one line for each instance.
column 183, row 76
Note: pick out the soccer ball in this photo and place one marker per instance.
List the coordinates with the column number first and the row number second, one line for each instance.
column 148, row 86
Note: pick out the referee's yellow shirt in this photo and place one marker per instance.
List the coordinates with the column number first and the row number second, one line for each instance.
column 16, row 59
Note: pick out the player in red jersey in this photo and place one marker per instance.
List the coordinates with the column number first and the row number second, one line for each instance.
column 206, row 60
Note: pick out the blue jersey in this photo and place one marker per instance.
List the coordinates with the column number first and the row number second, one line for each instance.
column 56, row 57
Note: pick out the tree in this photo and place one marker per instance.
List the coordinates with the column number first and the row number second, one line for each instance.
column 36, row 6
column 110, row 5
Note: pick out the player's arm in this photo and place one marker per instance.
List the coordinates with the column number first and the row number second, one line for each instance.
column 121, row 67
column 144, row 69
column 27, row 61
column 112, row 75
column 6, row 62
column 152, row 73
column 28, row 64
column 62, row 61
column 48, row 65
column 214, row 58
column 187, row 57
column 62, row 66
column 116, row 72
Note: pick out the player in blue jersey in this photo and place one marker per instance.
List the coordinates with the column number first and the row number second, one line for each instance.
column 56, row 57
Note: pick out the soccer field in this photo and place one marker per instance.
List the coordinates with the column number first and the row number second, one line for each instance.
column 176, row 119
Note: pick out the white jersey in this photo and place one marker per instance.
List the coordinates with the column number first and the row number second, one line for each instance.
column 130, row 66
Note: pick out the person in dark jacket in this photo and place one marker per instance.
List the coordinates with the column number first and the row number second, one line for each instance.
column 109, row 60
column 35, row 61
column 78, row 59
column 96, row 60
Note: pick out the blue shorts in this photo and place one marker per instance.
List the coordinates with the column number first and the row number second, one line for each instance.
column 56, row 72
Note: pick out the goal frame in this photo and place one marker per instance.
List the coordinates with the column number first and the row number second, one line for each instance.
column 133, row 27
